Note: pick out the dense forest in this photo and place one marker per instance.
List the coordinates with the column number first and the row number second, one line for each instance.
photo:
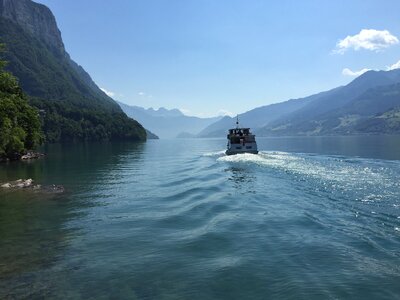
column 20, row 127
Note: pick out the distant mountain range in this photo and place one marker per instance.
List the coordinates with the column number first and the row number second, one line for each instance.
column 370, row 104
column 167, row 123
column 72, row 106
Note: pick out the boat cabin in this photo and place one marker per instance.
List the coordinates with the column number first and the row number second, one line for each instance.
column 241, row 140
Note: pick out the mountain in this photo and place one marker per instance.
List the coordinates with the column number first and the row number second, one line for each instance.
column 387, row 122
column 219, row 128
column 71, row 104
column 167, row 123
column 151, row 136
column 374, row 92
column 375, row 111
column 161, row 112
column 372, row 98
column 261, row 116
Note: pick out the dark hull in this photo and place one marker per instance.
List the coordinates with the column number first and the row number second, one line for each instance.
column 231, row 152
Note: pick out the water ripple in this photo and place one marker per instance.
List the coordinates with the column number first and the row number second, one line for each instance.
column 163, row 221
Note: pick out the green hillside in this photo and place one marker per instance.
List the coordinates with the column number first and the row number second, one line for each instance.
column 376, row 111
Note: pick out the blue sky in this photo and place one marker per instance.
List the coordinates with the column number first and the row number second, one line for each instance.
column 207, row 57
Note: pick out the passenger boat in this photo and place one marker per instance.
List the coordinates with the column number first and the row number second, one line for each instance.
column 241, row 140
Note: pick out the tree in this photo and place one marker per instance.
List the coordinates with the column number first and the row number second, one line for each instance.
column 20, row 127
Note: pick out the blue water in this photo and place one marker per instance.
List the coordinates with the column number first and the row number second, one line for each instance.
column 307, row 218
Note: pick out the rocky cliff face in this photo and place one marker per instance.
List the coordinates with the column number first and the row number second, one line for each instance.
column 37, row 19
column 75, row 108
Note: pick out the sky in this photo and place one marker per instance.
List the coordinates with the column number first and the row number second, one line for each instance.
column 216, row 57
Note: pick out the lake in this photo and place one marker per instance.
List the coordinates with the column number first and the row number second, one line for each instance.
column 307, row 218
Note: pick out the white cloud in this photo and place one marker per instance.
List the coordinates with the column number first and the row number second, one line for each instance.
column 108, row 93
column 348, row 72
column 394, row 66
column 369, row 39
column 141, row 93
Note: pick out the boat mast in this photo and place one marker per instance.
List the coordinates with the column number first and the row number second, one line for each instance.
column 237, row 121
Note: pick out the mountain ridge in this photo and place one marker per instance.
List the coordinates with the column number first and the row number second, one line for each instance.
column 167, row 123
column 309, row 120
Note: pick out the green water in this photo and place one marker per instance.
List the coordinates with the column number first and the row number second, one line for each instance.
column 307, row 218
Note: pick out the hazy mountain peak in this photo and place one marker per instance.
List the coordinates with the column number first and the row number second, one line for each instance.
column 167, row 123
column 164, row 112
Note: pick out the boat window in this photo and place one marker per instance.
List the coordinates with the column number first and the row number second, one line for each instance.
column 248, row 147
column 238, row 147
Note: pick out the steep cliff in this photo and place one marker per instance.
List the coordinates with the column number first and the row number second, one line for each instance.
column 72, row 105
column 36, row 18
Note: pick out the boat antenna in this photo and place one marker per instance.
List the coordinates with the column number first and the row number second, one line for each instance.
column 237, row 121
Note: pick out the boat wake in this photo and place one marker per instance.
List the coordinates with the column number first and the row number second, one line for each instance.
column 214, row 154
column 367, row 179
column 326, row 167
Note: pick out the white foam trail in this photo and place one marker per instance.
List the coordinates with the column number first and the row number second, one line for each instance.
column 340, row 173
column 244, row 157
column 214, row 154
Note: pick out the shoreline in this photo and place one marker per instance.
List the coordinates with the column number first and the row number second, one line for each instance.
column 30, row 185
column 29, row 155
